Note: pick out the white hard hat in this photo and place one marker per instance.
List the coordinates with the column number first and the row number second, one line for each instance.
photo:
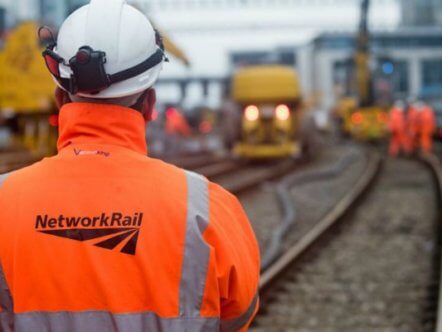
column 411, row 99
column 419, row 105
column 107, row 49
column 399, row 104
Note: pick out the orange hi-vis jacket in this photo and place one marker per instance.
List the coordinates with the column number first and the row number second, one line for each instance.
column 103, row 238
column 413, row 120
column 427, row 121
column 176, row 123
column 396, row 122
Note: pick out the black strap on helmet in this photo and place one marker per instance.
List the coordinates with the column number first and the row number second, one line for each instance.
column 88, row 71
column 154, row 60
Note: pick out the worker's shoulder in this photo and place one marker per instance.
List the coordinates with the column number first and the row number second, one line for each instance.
column 224, row 206
column 163, row 169
column 218, row 196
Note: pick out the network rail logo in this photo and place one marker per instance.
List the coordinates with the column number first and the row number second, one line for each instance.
column 114, row 231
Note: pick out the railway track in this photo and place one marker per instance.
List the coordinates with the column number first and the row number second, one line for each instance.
column 370, row 265
column 283, row 217
column 248, row 176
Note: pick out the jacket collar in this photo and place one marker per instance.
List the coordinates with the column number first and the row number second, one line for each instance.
column 83, row 123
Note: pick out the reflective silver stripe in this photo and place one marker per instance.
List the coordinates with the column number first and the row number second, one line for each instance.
column 235, row 324
column 196, row 251
column 6, row 304
column 3, row 178
column 93, row 321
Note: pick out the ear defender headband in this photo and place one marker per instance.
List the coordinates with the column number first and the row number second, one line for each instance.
column 88, row 72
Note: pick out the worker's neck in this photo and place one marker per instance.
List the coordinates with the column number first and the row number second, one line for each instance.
column 102, row 124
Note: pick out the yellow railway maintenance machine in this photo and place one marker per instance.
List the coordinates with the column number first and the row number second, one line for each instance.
column 362, row 123
column 26, row 90
column 270, row 99
column 362, row 118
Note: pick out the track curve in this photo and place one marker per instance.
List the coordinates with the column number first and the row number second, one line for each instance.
column 374, row 270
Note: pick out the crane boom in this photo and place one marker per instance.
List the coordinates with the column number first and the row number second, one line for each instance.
column 362, row 59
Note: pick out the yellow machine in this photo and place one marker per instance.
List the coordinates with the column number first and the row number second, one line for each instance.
column 27, row 89
column 361, row 117
column 270, row 99
column 363, row 123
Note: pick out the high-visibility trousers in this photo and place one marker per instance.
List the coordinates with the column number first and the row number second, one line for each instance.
column 399, row 142
column 426, row 142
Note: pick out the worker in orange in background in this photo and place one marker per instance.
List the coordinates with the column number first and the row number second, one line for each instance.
column 176, row 123
column 102, row 237
column 427, row 127
column 413, row 125
column 176, row 128
column 398, row 130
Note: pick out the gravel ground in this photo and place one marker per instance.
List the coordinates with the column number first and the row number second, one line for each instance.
column 315, row 199
column 375, row 271
column 263, row 208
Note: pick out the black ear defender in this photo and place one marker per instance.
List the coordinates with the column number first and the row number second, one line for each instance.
column 88, row 71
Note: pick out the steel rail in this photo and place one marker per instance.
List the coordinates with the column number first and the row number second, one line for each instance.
column 275, row 271
column 256, row 178
column 289, row 208
column 433, row 162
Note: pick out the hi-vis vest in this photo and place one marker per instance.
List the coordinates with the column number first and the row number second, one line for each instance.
column 103, row 238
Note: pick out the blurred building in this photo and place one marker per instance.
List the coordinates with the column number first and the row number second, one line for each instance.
column 55, row 11
column 421, row 12
column 18, row 10
column 2, row 20
column 51, row 12
column 405, row 63
column 220, row 35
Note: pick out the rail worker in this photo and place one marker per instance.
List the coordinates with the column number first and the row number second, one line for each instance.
column 101, row 237
column 176, row 123
column 398, row 130
column 427, row 127
column 176, row 128
column 413, row 124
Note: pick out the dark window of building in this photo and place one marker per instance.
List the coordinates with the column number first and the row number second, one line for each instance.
column 282, row 57
column 287, row 57
column 391, row 79
column 335, row 42
column 380, row 41
column 248, row 58
column 400, row 76
column 2, row 20
column 432, row 73
column 343, row 78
